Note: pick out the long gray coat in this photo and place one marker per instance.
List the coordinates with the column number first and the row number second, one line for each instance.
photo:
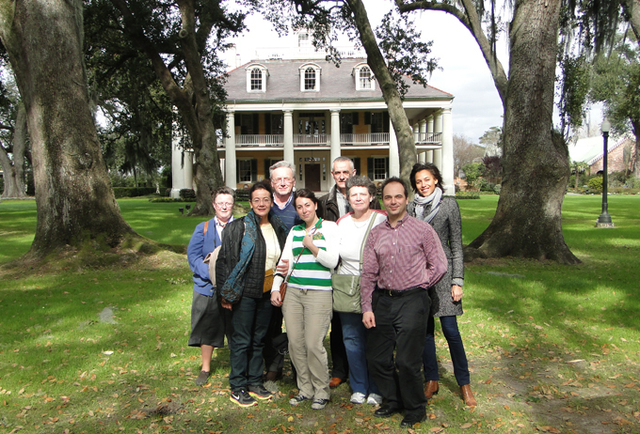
column 448, row 226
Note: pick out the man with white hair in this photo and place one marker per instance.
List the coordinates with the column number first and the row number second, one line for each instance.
column 283, row 180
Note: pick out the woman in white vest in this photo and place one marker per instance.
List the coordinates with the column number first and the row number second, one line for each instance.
column 354, row 227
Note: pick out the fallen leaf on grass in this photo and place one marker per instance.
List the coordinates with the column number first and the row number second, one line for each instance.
column 466, row 425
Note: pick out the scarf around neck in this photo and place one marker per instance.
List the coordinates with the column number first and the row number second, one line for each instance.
column 421, row 202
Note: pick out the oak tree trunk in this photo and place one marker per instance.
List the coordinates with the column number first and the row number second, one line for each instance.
column 13, row 169
column 528, row 220
column 75, row 201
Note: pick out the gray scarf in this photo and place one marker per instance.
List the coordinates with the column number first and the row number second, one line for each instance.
column 420, row 205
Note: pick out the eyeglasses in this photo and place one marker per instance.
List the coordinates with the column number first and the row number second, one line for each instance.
column 283, row 180
column 224, row 204
column 257, row 200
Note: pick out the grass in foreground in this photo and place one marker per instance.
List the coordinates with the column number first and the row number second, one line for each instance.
column 552, row 348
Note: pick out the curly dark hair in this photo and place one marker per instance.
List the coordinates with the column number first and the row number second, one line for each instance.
column 431, row 168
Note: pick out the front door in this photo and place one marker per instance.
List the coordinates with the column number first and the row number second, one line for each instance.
column 312, row 177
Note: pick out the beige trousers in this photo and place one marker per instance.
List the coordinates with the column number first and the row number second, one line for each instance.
column 307, row 316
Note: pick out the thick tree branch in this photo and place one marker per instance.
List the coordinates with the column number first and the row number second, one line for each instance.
column 177, row 95
column 375, row 59
column 632, row 7
column 470, row 19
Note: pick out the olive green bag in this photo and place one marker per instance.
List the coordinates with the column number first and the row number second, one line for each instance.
column 346, row 288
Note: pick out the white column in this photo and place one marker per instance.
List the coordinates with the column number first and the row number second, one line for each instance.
column 177, row 168
column 430, row 125
column 423, row 130
column 437, row 153
column 288, row 136
column 189, row 156
column 394, row 155
column 416, row 132
column 335, row 135
column 446, row 166
column 422, row 157
column 230, row 176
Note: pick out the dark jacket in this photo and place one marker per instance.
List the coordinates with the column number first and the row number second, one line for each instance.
column 230, row 254
column 328, row 205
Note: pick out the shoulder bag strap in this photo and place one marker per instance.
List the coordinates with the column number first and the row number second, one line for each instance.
column 364, row 241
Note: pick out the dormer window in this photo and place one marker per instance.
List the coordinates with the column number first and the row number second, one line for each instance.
column 364, row 77
column 310, row 78
column 257, row 78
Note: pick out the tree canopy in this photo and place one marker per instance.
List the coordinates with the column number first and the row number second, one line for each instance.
column 615, row 82
column 179, row 42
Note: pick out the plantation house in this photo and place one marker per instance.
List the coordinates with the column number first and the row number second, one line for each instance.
column 304, row 109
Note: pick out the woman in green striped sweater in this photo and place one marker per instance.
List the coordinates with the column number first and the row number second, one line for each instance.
column 310, row 253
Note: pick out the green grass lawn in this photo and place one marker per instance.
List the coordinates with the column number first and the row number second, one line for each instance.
column 103, row 349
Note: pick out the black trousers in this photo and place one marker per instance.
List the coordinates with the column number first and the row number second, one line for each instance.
column 401, row 325
column 273, row 360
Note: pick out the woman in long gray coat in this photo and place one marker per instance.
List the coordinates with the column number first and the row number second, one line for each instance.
column 446, row 296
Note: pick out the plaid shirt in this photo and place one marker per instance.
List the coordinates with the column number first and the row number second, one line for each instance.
column 403, row 257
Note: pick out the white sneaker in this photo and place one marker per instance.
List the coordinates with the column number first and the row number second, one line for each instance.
column 358, row 398
column 374, row 399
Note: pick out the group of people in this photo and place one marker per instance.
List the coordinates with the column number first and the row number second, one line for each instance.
column 409, row 262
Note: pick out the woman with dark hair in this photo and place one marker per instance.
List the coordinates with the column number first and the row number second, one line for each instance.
column 309, row 255
column 245, row 267
column 443, row 214
column 354, row 228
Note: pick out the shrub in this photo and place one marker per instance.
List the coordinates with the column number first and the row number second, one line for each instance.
column 242, row 194
column 486, row 185
column 187, row 193
column 497, row 189
column 633, row 183
column 617, row 179
column 120, row 192
column 467, row 195
column 473, row 171
column 595, row 185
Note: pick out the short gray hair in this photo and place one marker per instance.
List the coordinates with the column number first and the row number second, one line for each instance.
column 282, row 163
column 361, row 181
column 223, row 190
column 343, row 160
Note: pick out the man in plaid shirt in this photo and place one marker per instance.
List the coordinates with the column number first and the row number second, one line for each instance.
column 402, row 258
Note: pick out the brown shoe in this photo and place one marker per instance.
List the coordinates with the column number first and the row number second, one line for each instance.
column 431, row 389
column 335, row 382
column 467, row 396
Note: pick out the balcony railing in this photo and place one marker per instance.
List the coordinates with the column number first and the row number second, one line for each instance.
column 259, row 139
column 311, row 139
column 370, row 139
column 430, row 138
column 362, row 139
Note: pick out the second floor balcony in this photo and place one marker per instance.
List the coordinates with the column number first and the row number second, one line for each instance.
column 324, row 140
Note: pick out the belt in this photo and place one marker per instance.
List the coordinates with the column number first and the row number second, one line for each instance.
column 397, row 293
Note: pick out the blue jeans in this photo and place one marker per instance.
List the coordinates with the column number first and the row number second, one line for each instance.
column 250, row 318
column 354, row 336
column 456, row 349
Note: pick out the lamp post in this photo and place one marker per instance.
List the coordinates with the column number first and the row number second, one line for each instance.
column 604, row 220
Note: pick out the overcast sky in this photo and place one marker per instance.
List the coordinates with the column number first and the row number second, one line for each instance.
column 476, row 106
